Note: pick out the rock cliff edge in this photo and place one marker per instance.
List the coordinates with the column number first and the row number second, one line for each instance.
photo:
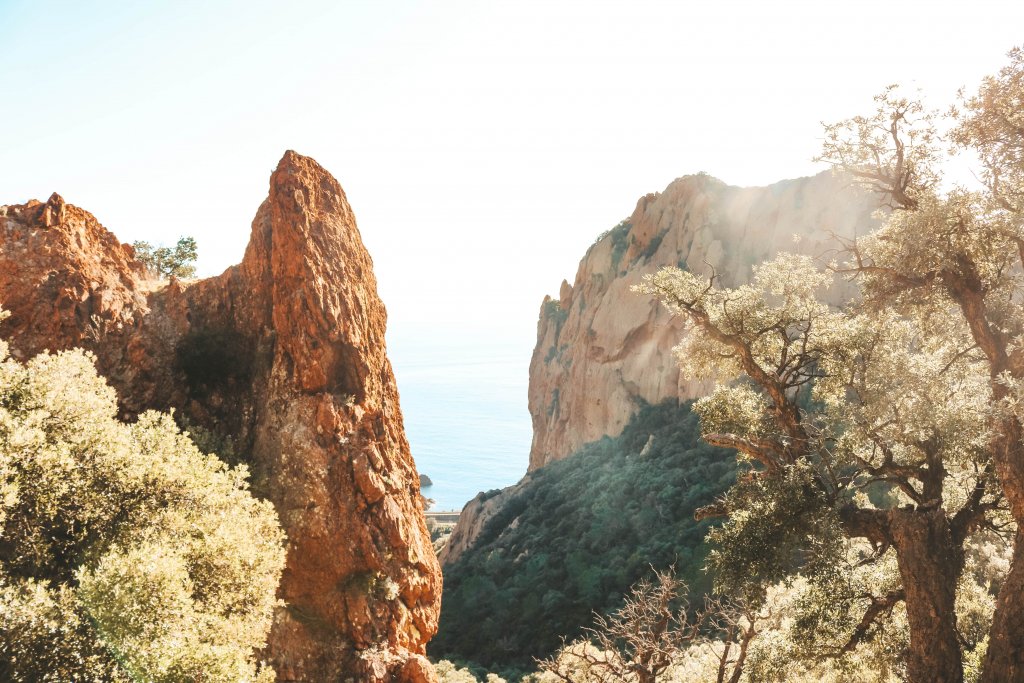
column 602, row 350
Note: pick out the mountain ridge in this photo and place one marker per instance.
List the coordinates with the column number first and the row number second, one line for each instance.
column 603, row 352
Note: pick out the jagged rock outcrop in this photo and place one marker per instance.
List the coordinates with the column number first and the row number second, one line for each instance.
column 474, row 516
column 280, row 362
column 601, row 349
column 65, row 280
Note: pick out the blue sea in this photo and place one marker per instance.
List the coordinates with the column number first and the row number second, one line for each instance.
column 464, row 404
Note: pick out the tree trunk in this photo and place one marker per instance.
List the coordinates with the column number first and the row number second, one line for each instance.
column 929, row 566
column 1004, row 661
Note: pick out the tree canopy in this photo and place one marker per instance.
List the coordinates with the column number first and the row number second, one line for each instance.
column 165, row 262
column 888, row 430
column 125, row 553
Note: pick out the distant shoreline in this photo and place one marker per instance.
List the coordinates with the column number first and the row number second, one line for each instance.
column 446, row 516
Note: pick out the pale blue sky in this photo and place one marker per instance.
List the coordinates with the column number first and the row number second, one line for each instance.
column 482, row 145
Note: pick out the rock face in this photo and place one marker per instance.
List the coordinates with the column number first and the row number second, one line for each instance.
column 474, row 516
column 601, row 349
column 65, row 280
column 279, row 362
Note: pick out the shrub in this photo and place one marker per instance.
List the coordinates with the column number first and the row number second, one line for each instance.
column 620, row 236
column 126, row 554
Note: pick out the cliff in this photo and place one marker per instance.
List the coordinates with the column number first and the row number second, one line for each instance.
column 280, row 362
column 473, row 518
column 602, row 351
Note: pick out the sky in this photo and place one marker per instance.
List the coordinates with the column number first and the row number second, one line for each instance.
column 483, row 145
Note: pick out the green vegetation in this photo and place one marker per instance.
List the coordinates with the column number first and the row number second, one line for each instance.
column 881, row 440
column 553, row 310
column 450, row 673
column 652, row 246
column 620, row 241
column 552, row 352
column 166, row 262
column 127, row 554
column 621, row 238
column 585, row 529
column 553, row 406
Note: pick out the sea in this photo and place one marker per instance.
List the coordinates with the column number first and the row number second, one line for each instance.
column 465, row 412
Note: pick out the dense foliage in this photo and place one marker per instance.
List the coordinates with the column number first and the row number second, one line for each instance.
column 577, row 535
column 126, row 554
column 886, row 432
column 795, row 635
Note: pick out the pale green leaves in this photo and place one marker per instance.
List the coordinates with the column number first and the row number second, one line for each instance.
column 894, row 150
column 734, row 409
column 779, row 307
column 992, row 123
column 128, row 552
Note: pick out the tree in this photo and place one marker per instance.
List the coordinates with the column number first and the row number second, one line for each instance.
column 165, row 262
column 836, row 403
column 738, row 624
column 449, row 673
column 127, row 554
column 637, row 643
column 802, row 633
column 960, row 253
column 898, row 418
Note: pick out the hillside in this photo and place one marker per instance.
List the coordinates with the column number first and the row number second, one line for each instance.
column 603, row 380
column 602, row 350
column 573, row 536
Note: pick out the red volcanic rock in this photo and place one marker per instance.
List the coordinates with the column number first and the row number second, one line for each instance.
column 281, row 362
column 64, row 279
